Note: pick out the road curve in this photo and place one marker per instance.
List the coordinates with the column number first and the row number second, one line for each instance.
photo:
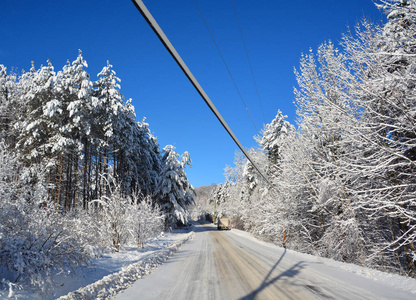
column 225, row 265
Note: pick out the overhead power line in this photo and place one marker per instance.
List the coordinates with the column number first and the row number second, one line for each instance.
column 226, row 66
column 249, row 62
column 165, row 41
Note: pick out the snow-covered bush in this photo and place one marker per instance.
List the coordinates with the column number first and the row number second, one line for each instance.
column 343, row 241
column 36, row 239
column 112, row 210
column 147, row 220
column 126, row 220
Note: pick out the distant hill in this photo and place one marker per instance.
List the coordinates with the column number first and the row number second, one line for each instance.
column 202, row 194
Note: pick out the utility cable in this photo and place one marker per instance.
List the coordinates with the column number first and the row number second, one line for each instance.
column 225, row 64
column 165, row 41
column 249, row 62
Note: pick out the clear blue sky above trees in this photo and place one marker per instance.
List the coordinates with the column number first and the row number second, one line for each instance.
column 275, row 32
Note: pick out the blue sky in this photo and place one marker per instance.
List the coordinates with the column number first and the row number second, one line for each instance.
column 275, row 32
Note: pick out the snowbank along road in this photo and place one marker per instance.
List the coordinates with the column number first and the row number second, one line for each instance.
column 230, row 265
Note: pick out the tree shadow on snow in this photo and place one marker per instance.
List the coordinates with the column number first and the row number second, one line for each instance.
column 291, row 272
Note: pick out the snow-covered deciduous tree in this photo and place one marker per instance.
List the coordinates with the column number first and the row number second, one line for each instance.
column 384, row 61
column 327, row 115
column 221, row 200
column 343, row 181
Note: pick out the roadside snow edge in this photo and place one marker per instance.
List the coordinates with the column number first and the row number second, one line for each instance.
column 114, row 283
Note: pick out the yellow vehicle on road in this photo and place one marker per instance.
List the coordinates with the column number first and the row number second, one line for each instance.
column 224, row 223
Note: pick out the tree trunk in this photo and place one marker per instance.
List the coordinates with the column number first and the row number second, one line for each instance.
column 406, row 254
column 393, row 235
column 68, row 184
column 84, row 176
column 59, row 181
column 75, row 182
column 97, row 175
column 89, row 175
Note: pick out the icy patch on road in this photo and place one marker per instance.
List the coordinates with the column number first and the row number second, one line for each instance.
column 112, row 284
column 393, row 280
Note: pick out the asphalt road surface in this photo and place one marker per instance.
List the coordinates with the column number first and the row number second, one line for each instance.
column 225, row 265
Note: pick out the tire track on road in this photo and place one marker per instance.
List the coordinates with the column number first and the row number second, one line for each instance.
column 248, row 277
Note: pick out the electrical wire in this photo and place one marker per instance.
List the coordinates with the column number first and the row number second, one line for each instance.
column 175, row 55
column 249, row 62
column 226, row 66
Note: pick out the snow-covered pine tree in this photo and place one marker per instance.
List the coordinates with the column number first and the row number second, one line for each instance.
column 129, row 151
column 8, row 106
column 271, row 205
column 73, row 143
column 37, row 124
column 149, row 159
column 81, row 108
column 128, row 145
column 107, row 119
column 271, row 136
column 174, row 193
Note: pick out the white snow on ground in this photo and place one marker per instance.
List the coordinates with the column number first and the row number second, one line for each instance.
column 115, row 272
column 111, row 273
column 400, row 282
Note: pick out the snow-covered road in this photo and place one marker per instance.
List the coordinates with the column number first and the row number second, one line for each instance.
column 231, row 265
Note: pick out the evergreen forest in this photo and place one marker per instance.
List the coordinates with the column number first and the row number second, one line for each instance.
column 78, row 174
